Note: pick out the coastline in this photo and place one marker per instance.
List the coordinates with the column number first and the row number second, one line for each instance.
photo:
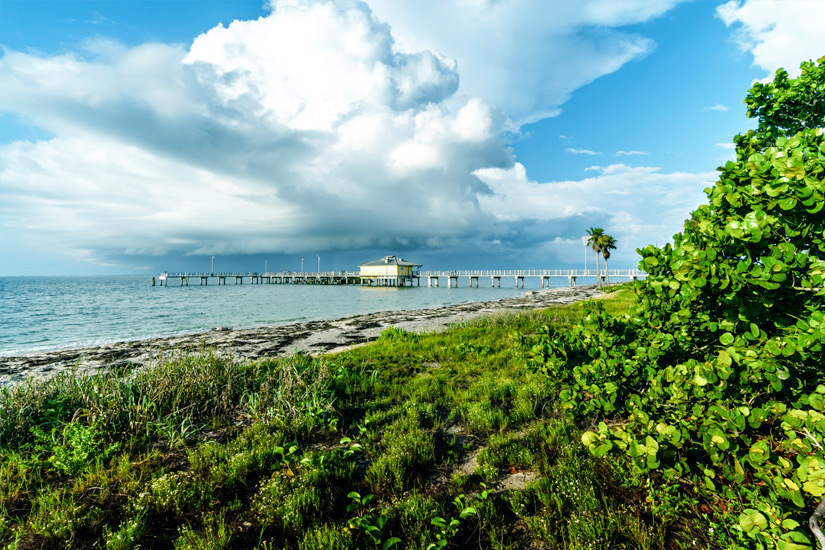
column 315, row 337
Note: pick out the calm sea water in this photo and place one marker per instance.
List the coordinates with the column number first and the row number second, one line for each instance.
column 48, row 313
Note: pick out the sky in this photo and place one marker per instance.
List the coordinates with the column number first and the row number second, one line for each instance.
column 146, row 136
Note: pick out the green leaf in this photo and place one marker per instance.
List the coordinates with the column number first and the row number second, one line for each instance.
column 772, row 347
column 602, row 449
column 726, row 339
column 752, row 519
column 787, row 203
column 724, row 359
column 782, row 545
column 793, row 540
column 814, row 487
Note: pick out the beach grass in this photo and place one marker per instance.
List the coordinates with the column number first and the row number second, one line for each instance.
column 438, row 440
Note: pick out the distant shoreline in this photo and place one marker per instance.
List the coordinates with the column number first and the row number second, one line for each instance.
column 325, row 336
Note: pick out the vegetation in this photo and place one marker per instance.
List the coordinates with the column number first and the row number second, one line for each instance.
column 416, row 441
column 687, row 412
column 713, row 383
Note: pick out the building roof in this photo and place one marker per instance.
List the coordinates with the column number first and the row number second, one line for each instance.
column 390, row 260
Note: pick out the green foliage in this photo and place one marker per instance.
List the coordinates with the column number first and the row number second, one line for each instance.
column 215, row 535
column 327, row 537
column 445, row 530
column 717, row 374
column 785, row 106
column 258, row 450
column 412, row 515
column 173, row 401
column 176, row 494
column 367, row 523
column 486, row 404
column 75, row 447
column 124, row 537
column 408, row 452
column 538, row 448
column 225, row 472
column 294, row 500
column 397, row 333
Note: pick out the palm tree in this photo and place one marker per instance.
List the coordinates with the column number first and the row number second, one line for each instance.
column 595, row 236
column 608, row 244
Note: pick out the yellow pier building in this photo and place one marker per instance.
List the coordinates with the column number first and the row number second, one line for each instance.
column 390, row 271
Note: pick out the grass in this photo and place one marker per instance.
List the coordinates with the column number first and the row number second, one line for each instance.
column 419, row 441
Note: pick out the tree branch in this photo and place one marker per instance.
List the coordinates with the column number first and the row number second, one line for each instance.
column 814, row 523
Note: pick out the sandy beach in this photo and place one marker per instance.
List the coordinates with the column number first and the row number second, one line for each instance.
column 324, row 336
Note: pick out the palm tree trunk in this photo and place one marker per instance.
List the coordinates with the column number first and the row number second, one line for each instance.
column 598, row 272
column 606, row 273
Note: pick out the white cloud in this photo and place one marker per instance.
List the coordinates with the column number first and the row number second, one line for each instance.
column 526, row 56
column 718, row 107
column 629, row 153
column 637, row 205
column 573, row 151
column 308, row 65
column 115, row 199
column 779, row 33
column 264, row 136
column 729, row 146
column 98, row 19
column 308, row 129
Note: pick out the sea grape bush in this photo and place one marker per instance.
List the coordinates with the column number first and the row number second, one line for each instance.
column 716, row 377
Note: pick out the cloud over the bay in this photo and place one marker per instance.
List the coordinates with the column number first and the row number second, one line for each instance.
column 638, row 205
column 238, row 145
column 316, row 127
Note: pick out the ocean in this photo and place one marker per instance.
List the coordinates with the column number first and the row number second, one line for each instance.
column 51, row 313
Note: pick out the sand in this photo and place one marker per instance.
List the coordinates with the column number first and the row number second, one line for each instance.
column 315, row 337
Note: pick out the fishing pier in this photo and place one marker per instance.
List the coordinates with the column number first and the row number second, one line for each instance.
column 433, row 278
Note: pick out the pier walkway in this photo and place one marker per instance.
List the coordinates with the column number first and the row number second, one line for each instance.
column 280, row 277
column 452, row 278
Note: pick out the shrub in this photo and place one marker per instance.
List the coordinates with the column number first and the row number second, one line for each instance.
column 717, row 373
column 75, row 447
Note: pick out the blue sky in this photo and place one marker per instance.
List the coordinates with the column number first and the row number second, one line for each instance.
column 145, row 136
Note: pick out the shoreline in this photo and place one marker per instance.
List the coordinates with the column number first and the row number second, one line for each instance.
column 314, row 337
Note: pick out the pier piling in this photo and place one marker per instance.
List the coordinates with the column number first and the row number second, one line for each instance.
column 433, row 277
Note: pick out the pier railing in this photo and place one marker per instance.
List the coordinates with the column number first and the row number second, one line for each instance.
column 229, row 274
column 621, row 273
column 428, row 273
column 432, row 276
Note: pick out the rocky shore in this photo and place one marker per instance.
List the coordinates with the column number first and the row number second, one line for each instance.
column 312, row 337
